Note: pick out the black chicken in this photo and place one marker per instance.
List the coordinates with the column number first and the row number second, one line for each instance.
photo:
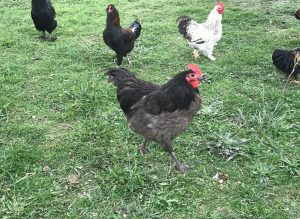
column 158, row 113
column 288, row 62
column 297, row 14
column 117, row 38
column 43, row 14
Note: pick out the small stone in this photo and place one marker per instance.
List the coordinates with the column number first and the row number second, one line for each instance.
column 73, row 179
column 46, row 169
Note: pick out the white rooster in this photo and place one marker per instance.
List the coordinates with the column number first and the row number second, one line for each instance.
column 204, row 36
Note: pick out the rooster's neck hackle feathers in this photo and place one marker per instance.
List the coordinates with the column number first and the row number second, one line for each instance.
column 113, row 17
column 213, row 20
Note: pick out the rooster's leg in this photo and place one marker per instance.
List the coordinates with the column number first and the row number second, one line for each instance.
column 196, row 54
column 210, row 56
column 129, row 62
column 51, row 38
column 43, row 36
column 183, row 168
column 142, row 147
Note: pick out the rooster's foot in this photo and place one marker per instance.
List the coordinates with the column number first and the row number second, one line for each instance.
column 143, row 150
column 182, row 168
column 142, row 147
column 196, row 54
column 211, row 57
column 295, row 81
column 43, row 36
column 51, row 38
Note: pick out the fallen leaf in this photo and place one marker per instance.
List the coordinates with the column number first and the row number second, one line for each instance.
column 46, row 169
column 73, row 179
column 221, row 178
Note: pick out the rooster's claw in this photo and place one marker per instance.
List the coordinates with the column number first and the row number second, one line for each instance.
column 144, row 150
column 182, row 168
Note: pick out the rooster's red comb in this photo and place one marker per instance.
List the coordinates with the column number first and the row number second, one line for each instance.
column 194, row 68
column 221, row 4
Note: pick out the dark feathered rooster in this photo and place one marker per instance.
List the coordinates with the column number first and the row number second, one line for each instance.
column 158, row 113
column 288, row 62
column 117, row 38
column 297, row 14
column 43, row 14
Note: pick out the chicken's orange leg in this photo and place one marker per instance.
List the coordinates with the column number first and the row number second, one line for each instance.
column 196, row 54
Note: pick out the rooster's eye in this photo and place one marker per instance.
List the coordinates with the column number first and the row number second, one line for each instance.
column 192, row 75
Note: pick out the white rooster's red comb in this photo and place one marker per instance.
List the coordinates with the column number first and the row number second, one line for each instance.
column 194, row 68
column 220, row 4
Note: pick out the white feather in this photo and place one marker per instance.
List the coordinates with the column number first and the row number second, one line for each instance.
column 209, row 32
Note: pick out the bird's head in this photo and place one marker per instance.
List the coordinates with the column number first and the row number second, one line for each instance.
column 112, row 14
column 110, row 9
column 193, row 75
column 219, row 7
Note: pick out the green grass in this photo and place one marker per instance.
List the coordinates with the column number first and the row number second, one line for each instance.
column 57, row 110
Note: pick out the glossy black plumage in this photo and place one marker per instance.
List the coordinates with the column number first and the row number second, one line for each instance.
column 43, row 14
column 176, row 94
column 117, row 38
column 285, row 61
column 297, row 14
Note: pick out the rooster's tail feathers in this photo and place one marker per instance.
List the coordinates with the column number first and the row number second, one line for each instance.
column 136, row 27
column 117, row 75
column 183, row 23
column 54, row 24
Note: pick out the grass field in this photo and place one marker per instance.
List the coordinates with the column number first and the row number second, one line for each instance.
column 66, row 150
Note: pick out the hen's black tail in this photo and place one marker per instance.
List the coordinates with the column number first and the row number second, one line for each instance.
column 183, row 23
column 285, row 60
column 53, row 26
column 136, row 27
column 297, row 14
column 117, row 75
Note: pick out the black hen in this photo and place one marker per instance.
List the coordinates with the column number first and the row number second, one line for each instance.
column 43, row 14
column 117, row 38
column 288, row 62
column 297, row 14
column 158, row 113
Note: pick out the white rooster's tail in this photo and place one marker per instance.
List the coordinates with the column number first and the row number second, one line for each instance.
column 183, row 23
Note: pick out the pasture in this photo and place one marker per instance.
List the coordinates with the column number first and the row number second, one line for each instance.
column 66, row 150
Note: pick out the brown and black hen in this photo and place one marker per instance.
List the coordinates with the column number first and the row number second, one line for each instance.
column 117, row 38
column 158, row 112
column 288, row 61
